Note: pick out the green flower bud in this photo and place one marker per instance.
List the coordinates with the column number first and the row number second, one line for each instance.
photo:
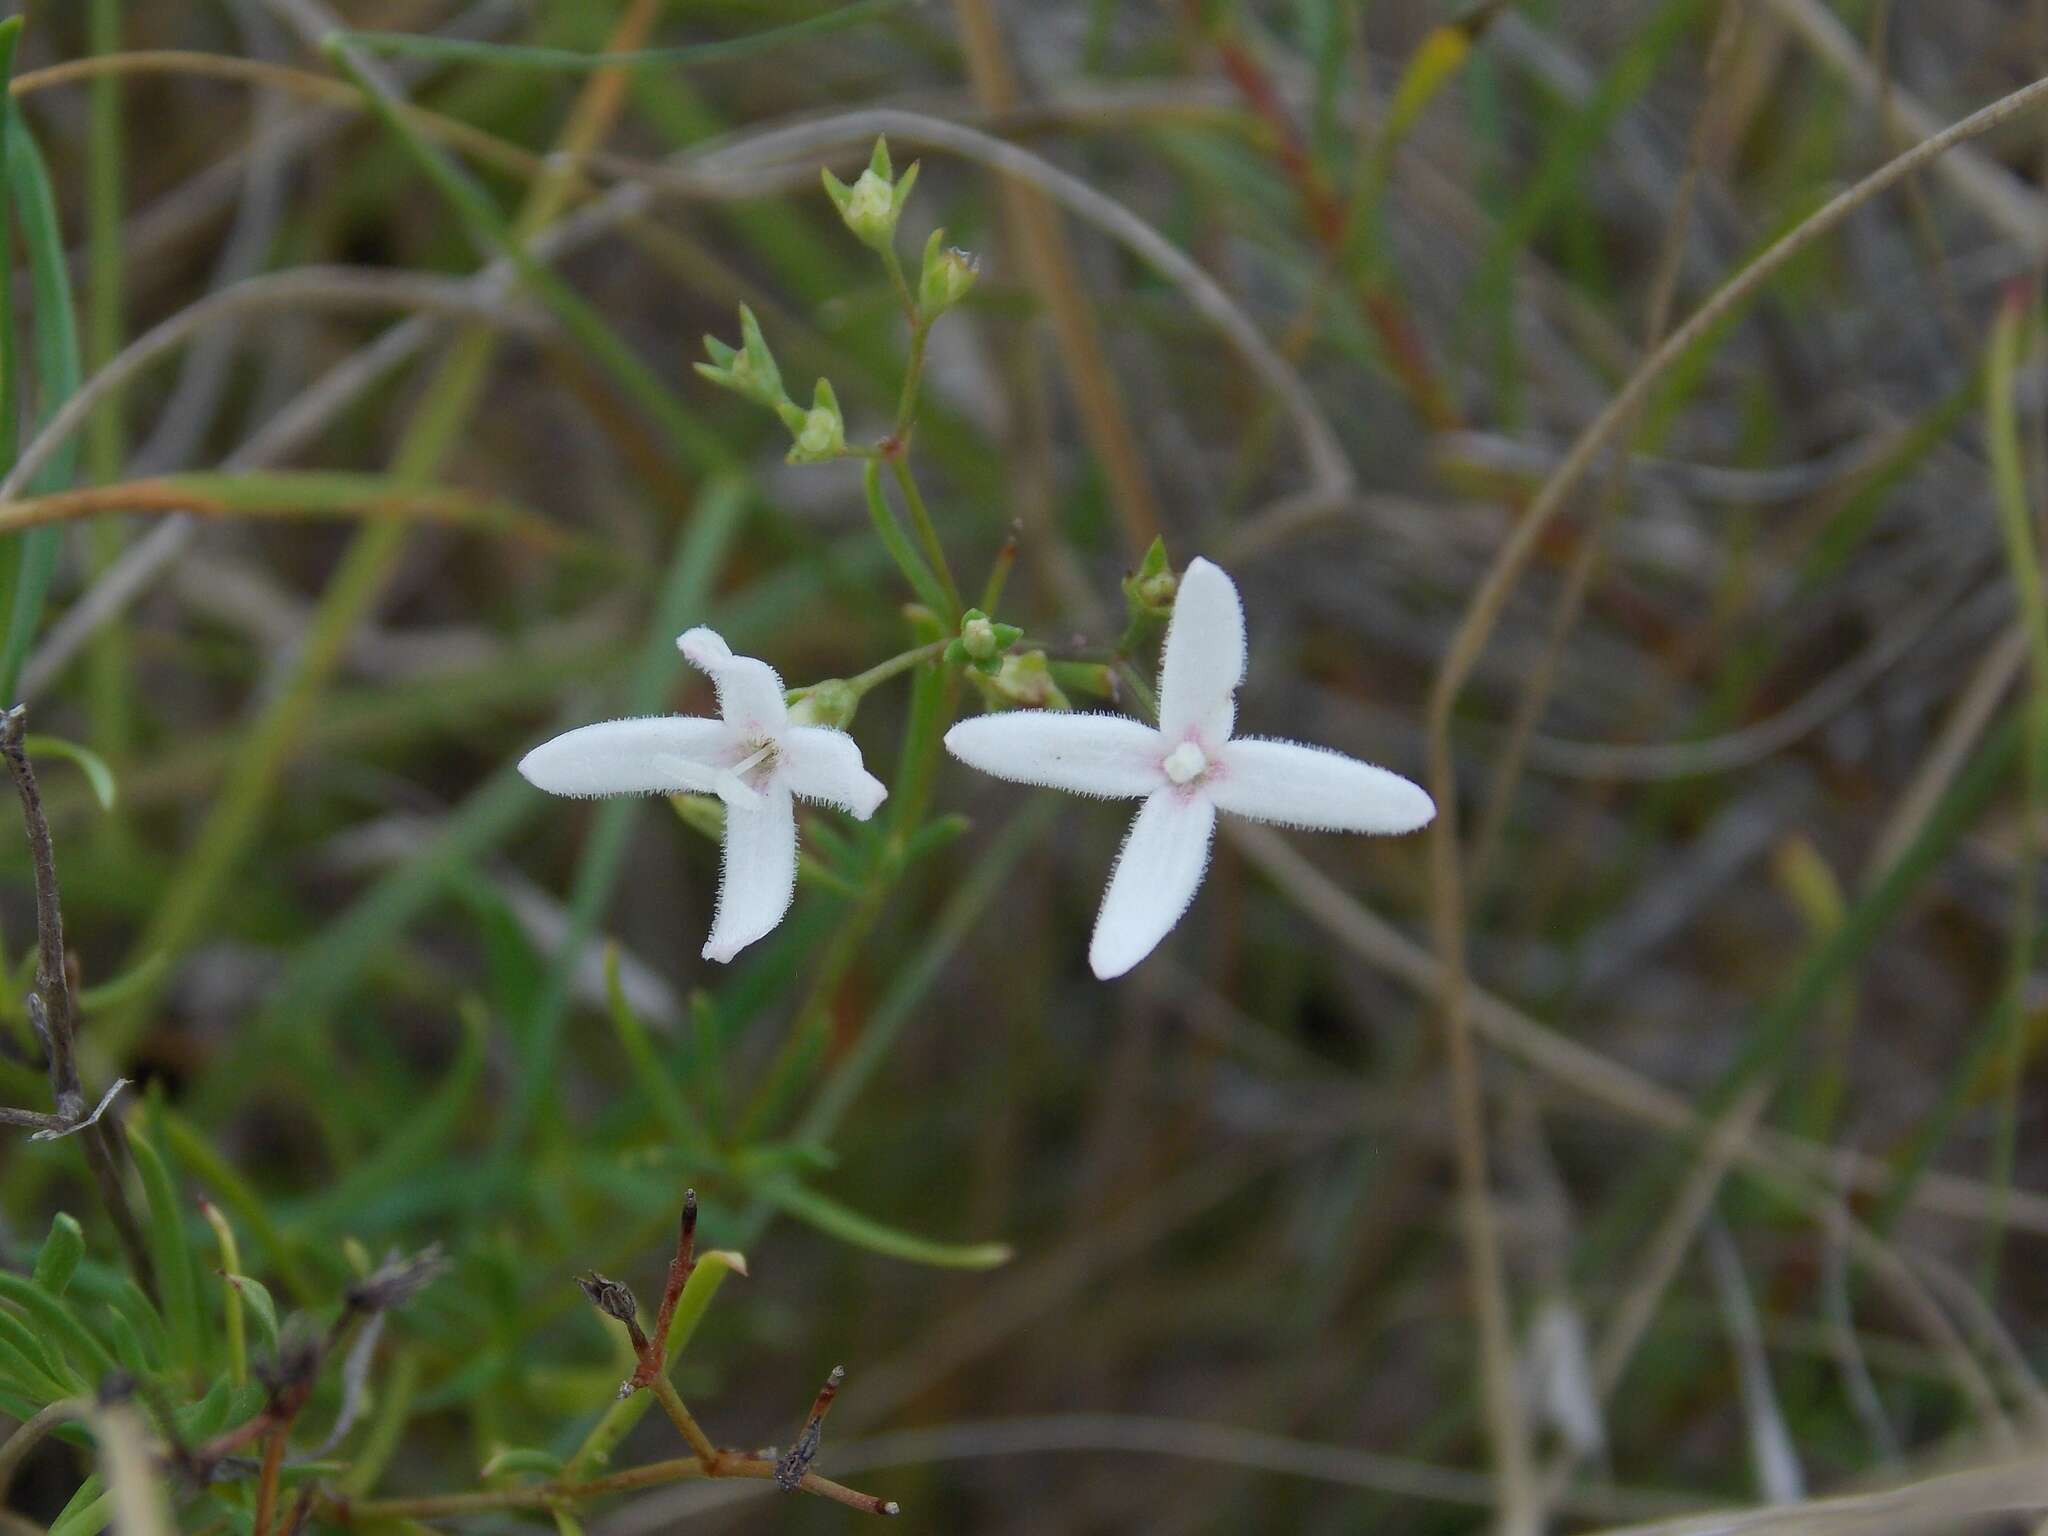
column 821, row 432
column 872, row 206
column 1150, row 588
column 830, row 703
column 1148, row 597
column 979, row 637
column 981, row 643
column 947, row 276
column 748, row 369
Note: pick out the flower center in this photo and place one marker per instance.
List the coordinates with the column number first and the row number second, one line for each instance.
column 733, row 787
column 747, row 765
column 1186, row 763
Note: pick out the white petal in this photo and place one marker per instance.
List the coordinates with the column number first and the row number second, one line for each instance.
column 749, row 692
column 1314, row 788
column 760, row 872
column 825, row 765
column 1156, row 877
column 1089, row 754
column 1204, row 657
column 657, row 754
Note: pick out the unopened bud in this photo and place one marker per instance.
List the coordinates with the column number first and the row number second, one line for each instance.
column 874, row 203
column 981, row 642
column 749, row 369
column 821, row 431
column 831, row 703
column 978, row 636
column 947, row 276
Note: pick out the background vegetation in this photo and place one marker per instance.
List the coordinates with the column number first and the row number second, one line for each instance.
column 1660, row 1131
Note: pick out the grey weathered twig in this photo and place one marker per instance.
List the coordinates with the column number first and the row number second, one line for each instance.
column 51, row 1014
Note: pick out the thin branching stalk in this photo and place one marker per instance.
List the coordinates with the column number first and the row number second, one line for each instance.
column 104, row 1153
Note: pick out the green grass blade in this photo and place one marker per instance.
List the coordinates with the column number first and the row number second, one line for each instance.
column 171, row 1250
column 58, row 373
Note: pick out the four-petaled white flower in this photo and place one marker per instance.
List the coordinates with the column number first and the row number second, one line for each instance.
column 753, row 759
column 1185, row 772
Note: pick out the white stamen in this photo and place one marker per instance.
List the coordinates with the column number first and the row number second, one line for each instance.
column 733, row 787
column 1186, row 763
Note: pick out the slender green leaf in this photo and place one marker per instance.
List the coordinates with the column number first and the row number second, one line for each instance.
column 61, row 1251
column 89, row 762
column 849, row 1225
column 55, row 1323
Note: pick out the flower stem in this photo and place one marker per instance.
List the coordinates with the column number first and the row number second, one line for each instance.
column 862, row 683
column 1127, row 676
column 894, row 264
column 913, row 376
column 928, row 535
column 914, row 570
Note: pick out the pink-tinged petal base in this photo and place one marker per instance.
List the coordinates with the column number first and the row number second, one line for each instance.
column 1315, row 789
column 1156, row 878
column 825, row 765
column 1106, row 755
column 1204, row 658
column 654, row 755
column 760, row 872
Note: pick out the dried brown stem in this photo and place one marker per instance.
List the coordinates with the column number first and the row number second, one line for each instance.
column 790, row 1470
column 653, row 1351
column 103, row 1150
column 549, row 1495
column 266, row 1487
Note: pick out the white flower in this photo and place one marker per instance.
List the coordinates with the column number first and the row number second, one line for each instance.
column 1186, row 771
column 752, row 758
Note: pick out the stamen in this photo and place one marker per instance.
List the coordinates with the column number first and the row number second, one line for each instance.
column 733, row 787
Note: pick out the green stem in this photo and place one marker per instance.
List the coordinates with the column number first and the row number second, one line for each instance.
column 1141, row 691
column 928, row 535
column 863, row 683
column 913, row 376
column 901, row 284
column 914, row 570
